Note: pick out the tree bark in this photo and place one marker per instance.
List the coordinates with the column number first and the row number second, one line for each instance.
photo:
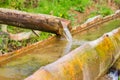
column 40, row 22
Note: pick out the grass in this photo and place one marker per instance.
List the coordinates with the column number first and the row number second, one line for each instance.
column 117, row 3
column 58, row 8
column 103, row 10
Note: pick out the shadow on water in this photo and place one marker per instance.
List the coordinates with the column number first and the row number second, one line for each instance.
column 21, row 67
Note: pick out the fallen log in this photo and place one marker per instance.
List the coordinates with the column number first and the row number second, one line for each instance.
column 40, row 22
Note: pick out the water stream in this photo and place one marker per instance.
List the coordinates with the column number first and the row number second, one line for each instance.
column 23, row 66
column 67, row 34
column 111, row 75
column 71, row 42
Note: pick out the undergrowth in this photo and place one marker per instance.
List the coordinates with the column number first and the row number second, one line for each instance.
column 117, row 3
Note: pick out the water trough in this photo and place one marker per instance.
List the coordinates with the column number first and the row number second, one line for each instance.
column 23, row 62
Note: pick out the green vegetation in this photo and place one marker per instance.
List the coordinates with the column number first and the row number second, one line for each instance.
column 117, row 2
column 102, row 10
column 82, row 6
column 58, row 8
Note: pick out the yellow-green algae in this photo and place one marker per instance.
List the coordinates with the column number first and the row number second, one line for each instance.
column 117, row 63
column 89, row 61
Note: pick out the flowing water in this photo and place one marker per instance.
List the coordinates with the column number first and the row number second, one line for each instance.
column 23, row 66
column 71, row 42
column 112, row 75
column 67, row 34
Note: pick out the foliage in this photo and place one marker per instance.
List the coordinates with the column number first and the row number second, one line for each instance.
column 83, row 4
column 15, row 30
column 58, row 8
column 16, row 4
column 117, row 2
column 104, row 10
column 4, row 37
column 101, row 10
column 80, row 9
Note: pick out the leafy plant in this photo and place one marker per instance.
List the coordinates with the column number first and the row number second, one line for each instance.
column 117, row 2
column 79, row 9
column 83, row 4
column 105, row 11
column 102, row 10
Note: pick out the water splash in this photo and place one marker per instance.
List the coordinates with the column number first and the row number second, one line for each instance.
column 67, row 34
column 73, row 44
column 67, row 48
column 113, row 74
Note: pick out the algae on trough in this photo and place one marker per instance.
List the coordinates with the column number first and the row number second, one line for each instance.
column 21, row 67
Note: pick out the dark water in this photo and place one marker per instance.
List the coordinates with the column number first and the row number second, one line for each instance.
column 21, row 67
column 112, row 74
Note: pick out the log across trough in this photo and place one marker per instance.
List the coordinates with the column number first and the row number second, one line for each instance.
column 87, row 62
column 32, row 21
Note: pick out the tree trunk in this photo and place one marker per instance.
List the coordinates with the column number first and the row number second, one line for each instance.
column 40, row 22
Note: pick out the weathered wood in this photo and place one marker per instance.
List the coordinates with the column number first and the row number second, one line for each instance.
column 40, row 22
